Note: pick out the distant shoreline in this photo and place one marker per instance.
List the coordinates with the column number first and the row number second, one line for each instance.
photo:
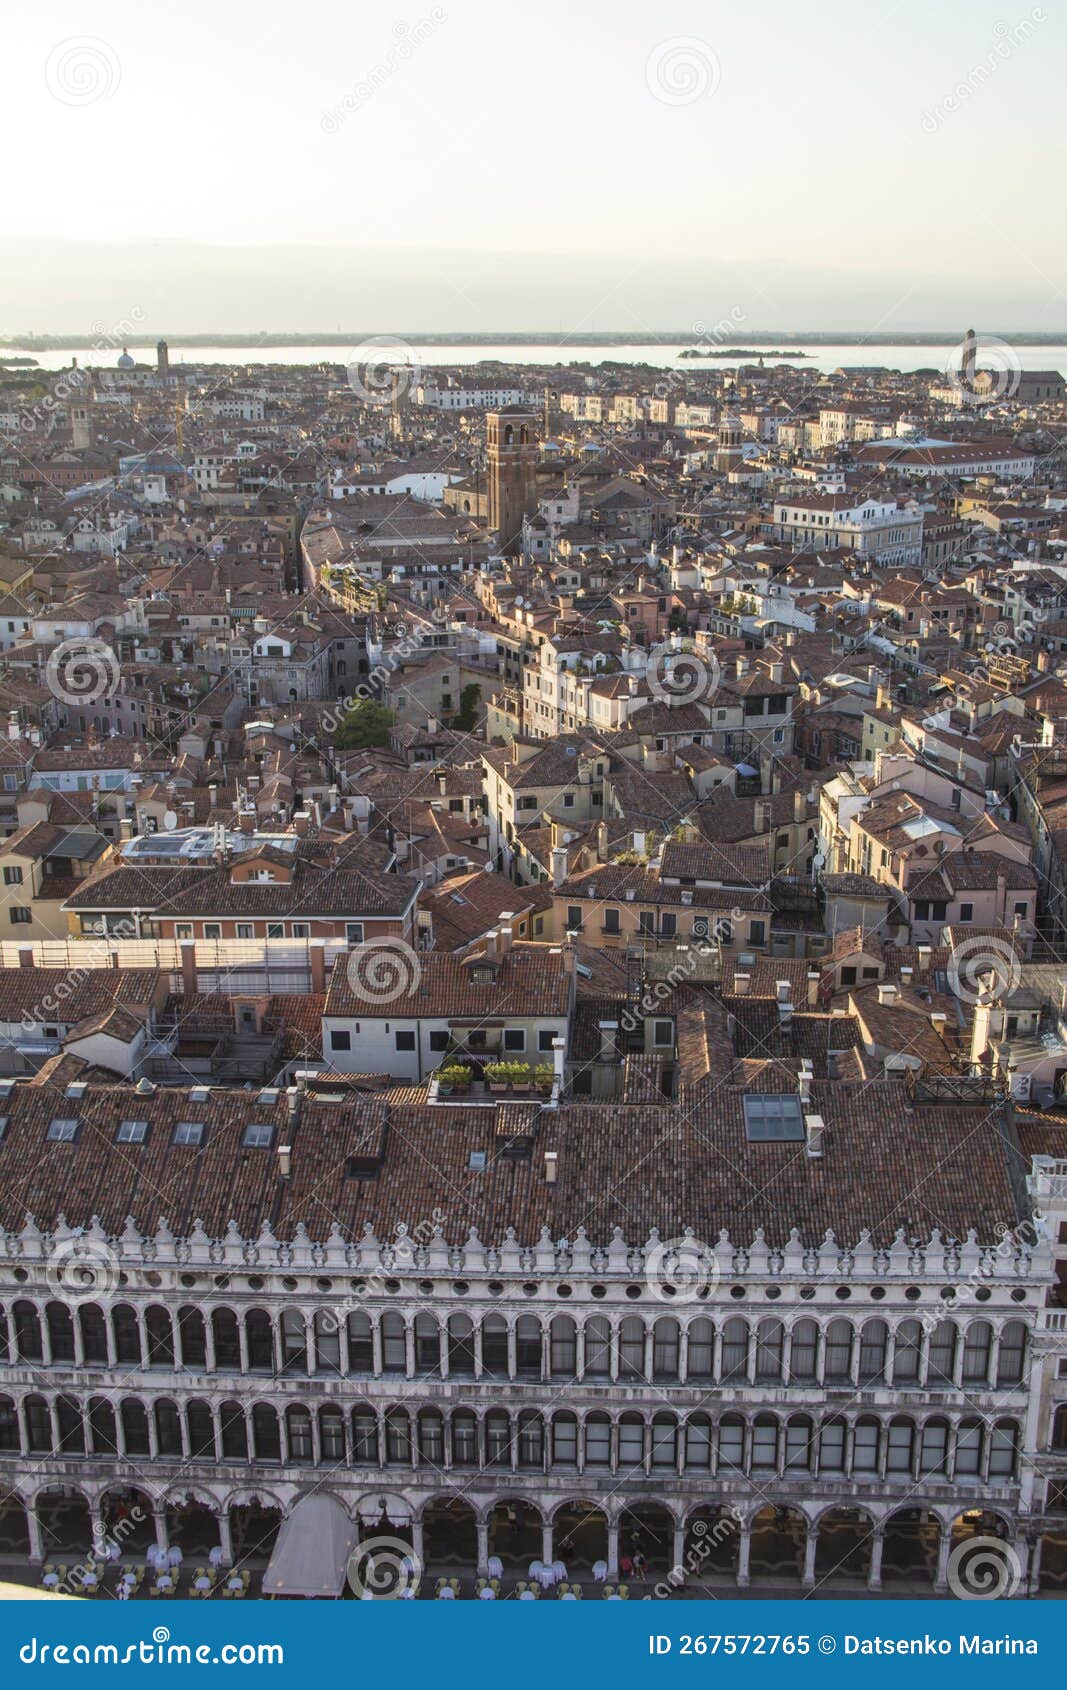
column 487, row 337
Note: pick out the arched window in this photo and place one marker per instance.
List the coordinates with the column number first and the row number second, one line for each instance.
column 227, row 1341
column 9, row 1426
column 160, row 1337
column 38, row 1425
column 360, row 1344
column 191, row 1337
column 664, row 1441
column 94, row 1333
column 564, row 1440
column 866, row 1446
column 528, row 1347
column 698, row 1442
column 632, row 1347
column 764, row 1443
column 731, row 1443
column 327, row 1342
column 331, row 1434
column 631, row 1443
column 563, row 1347
column 969, row 1448
column 942, row 1360
column 234, row 1432
column 665, row 1342
column 597, row 1348
column 497, row 1439
column 397, row 1437
column 799, row 1437
column 294, row 1342
column 259, row 1336
column 701, row 1361
column 933, row 1447
column 769, row 1339
column 597, row 1441
column 127, row 1335
column 1003, row 1448
column 874, row 1341
column 201, row 1432
column 900, row 1447
column 27, row 1332
column 907, row 1353
column 427, row 1346
column 71, row 1427
column 135, row 1426
column 60, row 1331
column 832, row 1436
column 495, row 1346
column 1011, row 1357
column 431, row 1429
column 837, row 1354
column 460, row 1346
column 102, row 1427
column 804, row 1351
column 734, row 1349
column 364, row 1437
column 298, row 1433
column 464, row 1438
column 531, row 1439
column 977, row 1349
column 168, row 1428
column 266, row 1434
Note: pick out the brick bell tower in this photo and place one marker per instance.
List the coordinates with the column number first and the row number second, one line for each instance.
column 512, row 439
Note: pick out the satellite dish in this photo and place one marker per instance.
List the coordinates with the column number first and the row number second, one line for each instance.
column 170, row 820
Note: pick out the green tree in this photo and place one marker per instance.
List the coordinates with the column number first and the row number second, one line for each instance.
column 366, row 724
column 467, row 714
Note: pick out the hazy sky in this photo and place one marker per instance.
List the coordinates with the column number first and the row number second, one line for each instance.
column 481, row 164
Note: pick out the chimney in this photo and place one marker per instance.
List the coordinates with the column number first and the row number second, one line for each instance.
column 776, row 671
column 887, row 992
column 559, row 864
column 762, row 815
column 813, row 988
column 213, row 795
column 317, row 954
column 938, row 1021
column 742, row 667
column 800, row 806
column 25, row 956
column 301, row 823
column 506, row 935
column 285, row 1160
column 814, row 1126
column 609, row 1049
column 551, row 1167
column 125, row 828
column 639, row 844
column 188, row 954
column 924, row 953
column 905, row 977
column 782, row 991
column 804, row 1079
column 741, row 984
column 491, row 941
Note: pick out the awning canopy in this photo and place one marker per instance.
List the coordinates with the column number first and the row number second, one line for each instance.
column 311, row 1555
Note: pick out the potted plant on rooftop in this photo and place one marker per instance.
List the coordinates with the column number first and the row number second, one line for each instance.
column 453, row 1077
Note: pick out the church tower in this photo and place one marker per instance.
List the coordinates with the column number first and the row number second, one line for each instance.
column 512, row 439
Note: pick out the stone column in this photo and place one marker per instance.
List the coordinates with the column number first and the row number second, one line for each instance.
column 159, row 1515
column 417, row 1546
column 944, row 1550
column 225, row 1540
column 546, row 1543
column 33, row 1526
column 679, row 1549
column 483, row 1548
column 1033, row 1583
column 811, row 1544
column 512, row 1352
column 209, row 1342
column 743, row 1550
column 613, row 1552
column 409, row 1349
column 874, row 1577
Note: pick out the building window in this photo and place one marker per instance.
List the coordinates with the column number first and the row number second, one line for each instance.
column 257, row 1135
column 132, row 1132
column 354, row 932
column 212, row 930
column 63, row 1130
column 773, row 1118
column 966, row 912
column 19, row 916
column 514, row 1038
column 245, row 930
column 439, row 1039
column 405, row 1041
column 12, row 877
column 340, row 1041
column 189, row 1132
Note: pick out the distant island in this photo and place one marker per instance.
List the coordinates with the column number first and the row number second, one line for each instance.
column 741, row 352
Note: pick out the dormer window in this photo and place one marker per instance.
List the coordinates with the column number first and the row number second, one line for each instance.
column 258, row 1135
column 63, row 1130
column 132, row 1132
column 483, row 975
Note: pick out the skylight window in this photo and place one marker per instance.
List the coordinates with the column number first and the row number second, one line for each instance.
column 476, row 1161
column 132, row 1132
column 189, row 1132
column 63, row 1130
column 773, row 1118
column 257, row 1135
